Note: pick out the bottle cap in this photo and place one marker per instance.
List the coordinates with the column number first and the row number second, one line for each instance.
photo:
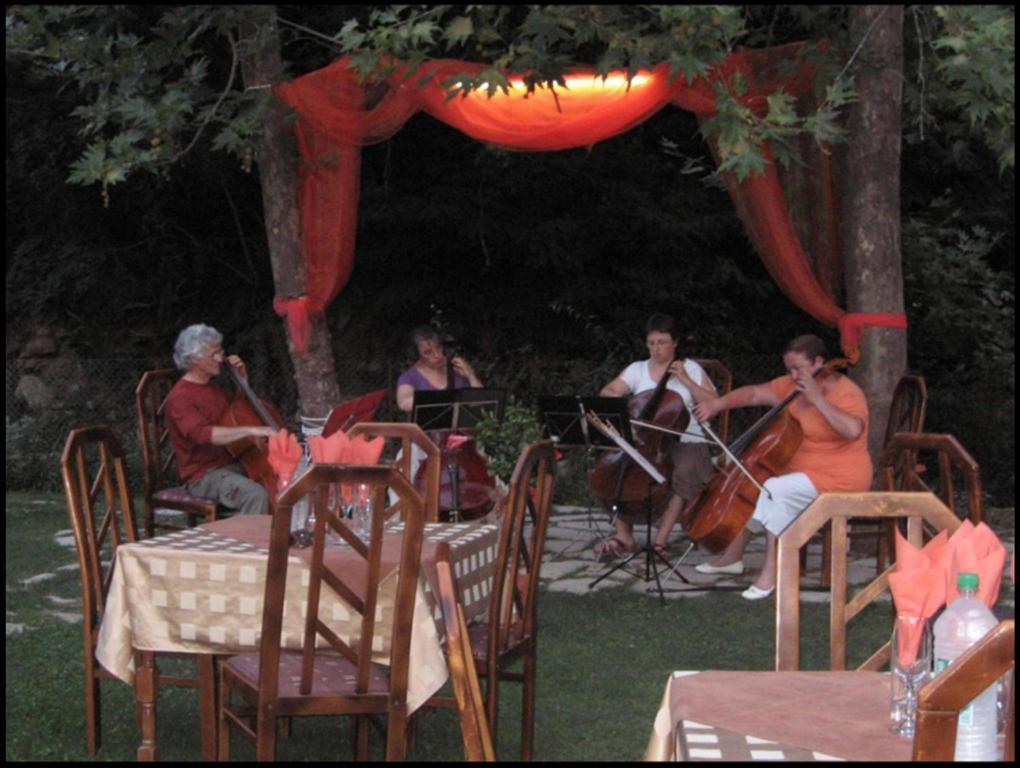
column 968, row 581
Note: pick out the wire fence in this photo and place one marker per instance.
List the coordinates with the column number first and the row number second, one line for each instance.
column 46, row 398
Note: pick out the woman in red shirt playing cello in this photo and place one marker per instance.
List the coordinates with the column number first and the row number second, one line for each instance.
column 195, row 408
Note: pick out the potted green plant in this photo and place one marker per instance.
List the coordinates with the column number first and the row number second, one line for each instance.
column 503, row 441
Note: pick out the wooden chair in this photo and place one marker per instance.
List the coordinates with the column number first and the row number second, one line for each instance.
column 511, row 631
column 409, row 435
column 470, row 705
column 836, row 509
column 343, row 679
column 102, row 518
column 723, row 381
column 906, row 414
column 944, row 463
column 163, row 489
column 940, row 700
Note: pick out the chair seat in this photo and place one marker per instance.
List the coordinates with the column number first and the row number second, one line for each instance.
column 479, row 634
column 179, row 498
column 331, row 675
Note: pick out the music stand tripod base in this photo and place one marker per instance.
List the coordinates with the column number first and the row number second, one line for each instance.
column 652, row 559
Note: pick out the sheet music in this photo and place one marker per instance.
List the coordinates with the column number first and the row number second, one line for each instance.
column 627, row 448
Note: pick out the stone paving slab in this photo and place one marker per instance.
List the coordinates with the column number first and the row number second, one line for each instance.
column 569, row 565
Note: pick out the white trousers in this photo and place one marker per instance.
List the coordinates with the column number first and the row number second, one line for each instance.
column 791, row 494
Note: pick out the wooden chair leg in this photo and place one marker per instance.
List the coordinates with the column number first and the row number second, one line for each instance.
column 361, row 730
column 265, row 736
column 396, row 734
column 207, row 709
column 528, row 708
column 492, row 698
column 223, row 736
column 93, row 709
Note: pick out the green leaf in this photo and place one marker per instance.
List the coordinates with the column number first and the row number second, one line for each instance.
column 458, row 31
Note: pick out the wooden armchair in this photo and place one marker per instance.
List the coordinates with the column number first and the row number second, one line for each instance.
column 344, row 680
column 836, row 509
column 939, row 702
column 163, row 489
column 470, row 705
column 511, row 631
column 102, row 518
column 410, row 436
column 945, row 465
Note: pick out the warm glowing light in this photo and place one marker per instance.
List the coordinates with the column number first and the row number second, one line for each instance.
column 574, row 84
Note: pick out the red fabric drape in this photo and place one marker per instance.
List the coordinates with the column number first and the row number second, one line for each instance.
column 337, row 116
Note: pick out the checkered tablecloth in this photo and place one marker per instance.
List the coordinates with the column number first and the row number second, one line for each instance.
column 201, row 591
column 798, row 716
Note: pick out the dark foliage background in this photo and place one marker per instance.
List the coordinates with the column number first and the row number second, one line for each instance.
column 540, row 268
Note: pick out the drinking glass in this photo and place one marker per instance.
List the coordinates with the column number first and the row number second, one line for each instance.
column 362, row 515
column 907, row 677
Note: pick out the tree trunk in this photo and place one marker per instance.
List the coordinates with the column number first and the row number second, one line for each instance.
column 871, row 215
column 261, row 66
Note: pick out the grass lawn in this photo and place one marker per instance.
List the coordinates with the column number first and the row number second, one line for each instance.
column 604, row 658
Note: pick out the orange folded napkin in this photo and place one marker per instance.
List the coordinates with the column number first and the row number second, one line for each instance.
column 918, row 588
column 976, row 549
column 363, row 451
column 329, row 450
column 284, row 456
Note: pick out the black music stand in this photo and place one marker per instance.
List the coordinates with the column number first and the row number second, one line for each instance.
column 652, row 558
column 565, row 424
column 563, row 417
column 456, row 409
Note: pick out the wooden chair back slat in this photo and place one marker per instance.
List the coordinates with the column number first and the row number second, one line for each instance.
column 474, row 726
column 941, row 699
column 409, row 435
column 835, row 509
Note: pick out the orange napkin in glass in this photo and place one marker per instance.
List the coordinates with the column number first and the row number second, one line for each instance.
column 358, row 450
column 284, row 456
column 329, row 450
column 975, row 549
column 918, row 588
column 363, row 451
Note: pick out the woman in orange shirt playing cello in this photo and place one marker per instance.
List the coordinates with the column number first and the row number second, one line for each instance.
column 833, row 456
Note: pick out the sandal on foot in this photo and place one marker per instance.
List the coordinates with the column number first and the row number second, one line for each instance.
column 612, row 548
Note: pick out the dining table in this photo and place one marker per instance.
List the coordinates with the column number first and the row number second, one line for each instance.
column 200, row 591
column 739, row 715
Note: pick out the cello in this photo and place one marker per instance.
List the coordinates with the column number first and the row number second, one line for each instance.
column 727, row 503
column 616, row 481
column 246, row 410
column 465, row 487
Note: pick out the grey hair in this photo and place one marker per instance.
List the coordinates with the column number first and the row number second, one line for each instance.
column 191, row 341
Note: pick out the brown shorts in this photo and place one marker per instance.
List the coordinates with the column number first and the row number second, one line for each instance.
column 692, row 469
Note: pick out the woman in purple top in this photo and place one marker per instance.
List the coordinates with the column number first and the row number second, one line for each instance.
column 431, row 370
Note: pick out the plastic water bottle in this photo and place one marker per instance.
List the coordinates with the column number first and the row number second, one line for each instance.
column 961, row 625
